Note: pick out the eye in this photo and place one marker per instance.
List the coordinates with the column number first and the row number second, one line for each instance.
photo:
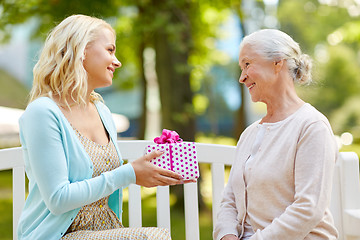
column 111, row 50
column 245, row 66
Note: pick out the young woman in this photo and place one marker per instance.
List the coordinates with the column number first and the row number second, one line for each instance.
column 74, row 166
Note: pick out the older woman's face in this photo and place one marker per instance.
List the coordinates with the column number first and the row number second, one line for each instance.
column 257, row 74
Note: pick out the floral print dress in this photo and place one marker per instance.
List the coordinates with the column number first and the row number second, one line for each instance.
column 97, row 220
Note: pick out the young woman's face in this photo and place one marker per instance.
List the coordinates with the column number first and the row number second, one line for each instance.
column 257, row 74
column 100, row 61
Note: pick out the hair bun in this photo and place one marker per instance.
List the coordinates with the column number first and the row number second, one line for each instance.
column 303, row 71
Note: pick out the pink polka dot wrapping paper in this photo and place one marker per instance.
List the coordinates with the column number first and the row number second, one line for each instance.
column 178, row 157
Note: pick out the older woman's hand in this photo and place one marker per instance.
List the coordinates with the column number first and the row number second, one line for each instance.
column 149, row 175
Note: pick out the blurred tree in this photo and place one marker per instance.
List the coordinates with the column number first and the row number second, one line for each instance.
column 347, row 118
column 349, row 32
column 49, row 13
column 303, row 20
column 12, row 92
column 338, row 79
column 336, row 72
column 181, row 32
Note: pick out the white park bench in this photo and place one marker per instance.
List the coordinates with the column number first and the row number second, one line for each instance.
column 345, row 203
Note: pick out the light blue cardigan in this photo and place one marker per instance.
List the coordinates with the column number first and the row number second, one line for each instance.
column 60, row 171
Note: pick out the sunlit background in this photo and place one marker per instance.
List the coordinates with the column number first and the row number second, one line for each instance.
column 179, row 67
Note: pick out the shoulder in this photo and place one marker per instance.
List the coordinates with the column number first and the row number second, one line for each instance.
column 309, row 115
column 312, row 113
column 310, row 121
column 40, row 108
column 41, row 103
column 251, row 127
column 248, row 131
column 41, row 117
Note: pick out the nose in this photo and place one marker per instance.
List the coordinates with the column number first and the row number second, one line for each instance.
column 243, row 77
column 116, row 63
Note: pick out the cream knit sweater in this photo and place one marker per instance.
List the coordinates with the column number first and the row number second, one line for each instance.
column 288, row 184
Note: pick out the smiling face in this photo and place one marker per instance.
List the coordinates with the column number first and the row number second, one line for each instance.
column 100, row 61
column 258, row 74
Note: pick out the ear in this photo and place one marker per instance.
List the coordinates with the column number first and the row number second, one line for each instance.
column 278, row 65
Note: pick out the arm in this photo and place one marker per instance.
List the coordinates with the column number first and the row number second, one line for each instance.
column 147, row 174
column 45, row 144
column 314, row 162
column 227, row 222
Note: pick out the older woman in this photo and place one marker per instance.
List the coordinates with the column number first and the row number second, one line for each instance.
column 280, row 183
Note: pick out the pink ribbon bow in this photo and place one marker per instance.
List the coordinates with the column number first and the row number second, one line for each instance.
column 168, row 136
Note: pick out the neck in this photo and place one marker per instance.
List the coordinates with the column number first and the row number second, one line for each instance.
column 71, row 103
column 282, row 105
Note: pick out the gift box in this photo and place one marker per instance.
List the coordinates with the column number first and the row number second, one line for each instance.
column 178, row 156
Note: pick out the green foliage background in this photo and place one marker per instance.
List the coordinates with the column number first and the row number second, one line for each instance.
column 328, row 33
column 336, row 76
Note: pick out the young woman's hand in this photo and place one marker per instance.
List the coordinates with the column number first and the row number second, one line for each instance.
column 229, row 237
column 149, row 175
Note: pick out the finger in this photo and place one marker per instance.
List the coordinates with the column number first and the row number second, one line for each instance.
column 190, row 181
column 152, row 155
column 164, row 181
column 171, row 174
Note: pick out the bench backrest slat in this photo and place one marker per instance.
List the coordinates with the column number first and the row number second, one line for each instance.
column 345, row 195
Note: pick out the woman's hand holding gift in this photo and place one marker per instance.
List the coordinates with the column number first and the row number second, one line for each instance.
column 149, row 175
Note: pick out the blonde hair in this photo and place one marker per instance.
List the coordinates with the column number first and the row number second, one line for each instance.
column 275, row 45
column 60, row 69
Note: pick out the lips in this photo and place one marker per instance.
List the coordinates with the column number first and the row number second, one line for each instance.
column 111, row 70
column 250, row 86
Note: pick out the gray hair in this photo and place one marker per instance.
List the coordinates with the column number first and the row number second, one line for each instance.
column 275, row 45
